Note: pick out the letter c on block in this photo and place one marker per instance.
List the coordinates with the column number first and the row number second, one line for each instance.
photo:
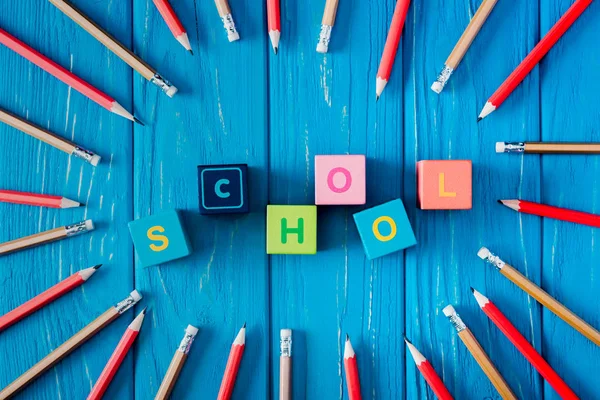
column 331, row 184
column 160, row 238
column 218, row 191
column 378, row 234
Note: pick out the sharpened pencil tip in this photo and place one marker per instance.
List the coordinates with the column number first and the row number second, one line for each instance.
column 191, row 51
column 347, row 337
column 479, row 119
column 137, row 121
column 275, row 49
column 376, row 99
column 97, row 266
column 144, row 310
column 500, row 202
column 472, row 290
column 244, row 327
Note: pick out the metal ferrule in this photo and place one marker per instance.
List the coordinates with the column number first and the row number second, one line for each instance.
column 229, row 25
column 325, row 36
column 514, row 147
column 443, row 77
column 495, row 261
column 457, row 322
column 286, row 347
column 76, row 229
column 186, row 343
column 162, row 83
column 84, row 154
column 125, row 305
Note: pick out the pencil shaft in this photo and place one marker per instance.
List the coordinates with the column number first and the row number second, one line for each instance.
column 562, row 214
column 486, row 364
column 168, row 383
column 33, row 240
column 330, row 12
column 562, row 148
column 230, row 374
column 32, row 199
column 223, row 7
column 168, row 14
column 551, row 304
column 285, row 378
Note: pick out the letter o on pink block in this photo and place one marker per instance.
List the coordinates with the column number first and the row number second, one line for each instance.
column 332, row 174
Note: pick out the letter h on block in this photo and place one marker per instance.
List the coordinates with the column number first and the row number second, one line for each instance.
column 223, row 189
column 445, row 184
column 384, row 229
column 291, row 229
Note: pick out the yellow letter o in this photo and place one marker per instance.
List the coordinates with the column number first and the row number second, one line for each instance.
column 378, row 234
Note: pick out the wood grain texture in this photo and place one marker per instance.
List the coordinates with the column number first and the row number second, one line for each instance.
column 239, row 103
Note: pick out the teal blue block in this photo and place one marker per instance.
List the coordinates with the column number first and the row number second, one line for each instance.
column 385, row 229
column 159, row 238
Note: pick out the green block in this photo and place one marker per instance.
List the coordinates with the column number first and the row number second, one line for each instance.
column 291, row 229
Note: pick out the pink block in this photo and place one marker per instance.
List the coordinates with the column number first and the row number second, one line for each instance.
column 340, row 180
column 445, row 184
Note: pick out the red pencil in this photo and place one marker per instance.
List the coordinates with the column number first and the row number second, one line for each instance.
column 175, row 26
column 352, row 378
column 523, row 346
column 117, row 357
column 64, row 75
column 391, row 46
column 233, row 365
column 34, row 199
column 431, row 377
column 47, row 297
column 534, row 57
column 274, row 20
column 563, row 214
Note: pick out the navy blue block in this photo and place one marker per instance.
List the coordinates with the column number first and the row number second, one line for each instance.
column 223, row 189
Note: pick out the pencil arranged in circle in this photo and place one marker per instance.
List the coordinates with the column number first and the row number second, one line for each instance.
column 177, row 362
column 562, row 214
column 431, row 377
column 117, row 357
column 285, row 364
column 391, row 46
column 461, row 48
column 47, row 297
column 70, row 345
column 327, row 22
column 174, row 24
column 467, row 337
column 46, row 237
column 233, row 365
column 64, row 75
column 547, row 148
column 35, row 199
column 534, row 57
column 351, row 368
column 541, row 296
column 49, row 138
column 227, row 18
column 528, row 351
column 274, row 22
column 115, row 46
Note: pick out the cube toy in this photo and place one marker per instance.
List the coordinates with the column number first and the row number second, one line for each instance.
column 384, row 229
column 223, row 189
column 340, row 180
column 444, row 184
column 159, row 238
column 291, row 229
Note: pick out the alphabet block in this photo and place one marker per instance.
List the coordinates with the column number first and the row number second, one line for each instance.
column 159, row 238
column 340, row 180
column 223, row 189
column 291, row 229
column 384, row 229
column 444, row 184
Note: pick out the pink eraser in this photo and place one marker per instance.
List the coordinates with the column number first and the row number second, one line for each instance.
column 340, row 180
column 445, row 184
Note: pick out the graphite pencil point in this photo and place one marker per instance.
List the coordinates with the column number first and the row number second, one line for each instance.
column 479, row 119
column 137, row 121
column 97, row 266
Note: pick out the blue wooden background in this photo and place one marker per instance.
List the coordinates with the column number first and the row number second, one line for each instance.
column 239, row 103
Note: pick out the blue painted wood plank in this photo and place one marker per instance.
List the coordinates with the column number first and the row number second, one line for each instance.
column 28, row 165
column 325, row 104
column 218, row 117
column 569, row 87
column 444, row 264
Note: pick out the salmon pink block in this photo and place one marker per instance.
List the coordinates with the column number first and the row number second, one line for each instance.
column 445, row 184
column 340, row 180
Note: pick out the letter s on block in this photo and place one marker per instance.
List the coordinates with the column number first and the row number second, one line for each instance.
column 161, row 238
column 378, row 234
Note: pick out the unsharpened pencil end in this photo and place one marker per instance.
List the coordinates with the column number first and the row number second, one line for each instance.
column 285, row 333
column 483, row 253
column 136, row 296
column 137, row 121
column 191, row 330
column 437, row 87
column 500, row 147
column 89, row 225
column 95, row 160
column 449, row 310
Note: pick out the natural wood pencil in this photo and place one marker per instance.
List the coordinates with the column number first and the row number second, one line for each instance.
column 285, row 365
column 227, row 18
column 547, row 148
column 541, row 296
column 479, row 354
column 70, row 345
column 329, row 15
column 49, row 138
column 115, row 46
column 460, row 49
column 46, row 237
column 168, row 383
